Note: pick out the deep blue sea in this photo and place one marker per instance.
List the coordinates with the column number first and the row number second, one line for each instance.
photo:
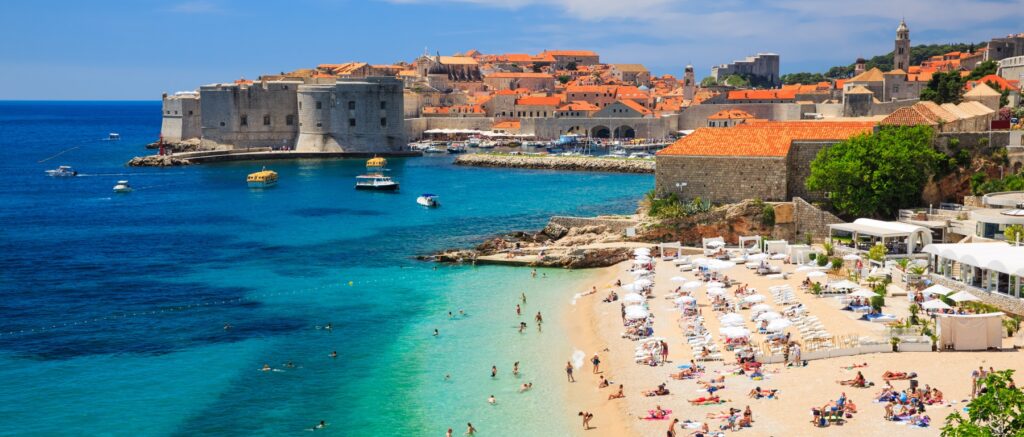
column 113, row 306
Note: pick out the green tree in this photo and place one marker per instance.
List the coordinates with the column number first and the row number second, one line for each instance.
column 876, row 174
column 944, row 87
column 564, row 79
column 803, row 78
column 999, row 411
column 736, row 81
column 983, row 69
column 571, row 66
column 708, row 81
column 768, row 215
column 1014, row 233
column 877, row 253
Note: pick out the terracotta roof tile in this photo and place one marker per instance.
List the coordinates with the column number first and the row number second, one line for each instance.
column 763, row 139
column 539, row 101
column 730, row 114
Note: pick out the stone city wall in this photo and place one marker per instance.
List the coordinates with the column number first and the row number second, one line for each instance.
column 722, row 179
column 809, row 220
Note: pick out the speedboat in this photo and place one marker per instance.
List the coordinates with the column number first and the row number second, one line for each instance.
column 456, row 148
column 262, row 179
column 641, row 155
column 428, row 200
column 122, row 187
column 619, row 153
column 375, row 182
column 62, row 172
column 113, row 136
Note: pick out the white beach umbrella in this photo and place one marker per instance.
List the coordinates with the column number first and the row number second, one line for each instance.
column 685, row 300
column 701, row 261
column 816, row 274
column 640, row 272
column 935, row 304
column 641, row 262
column 715, row 284
column 632, row 298
column 643, row 282
column 641, row 251
column 769, row 316
column 844, row 285
column 734, row 332
column 716, row 292
column 632, row 287
column 678, row 279
column 692, row 285
column 731, row 319
column 851, row 257
column 863, row 292
column 964, row 296
column 636, row 312
column 719, row 265
column 760, row 308
column 936, row 289
column 778, row 325
column 754, row 298
column 716, row 243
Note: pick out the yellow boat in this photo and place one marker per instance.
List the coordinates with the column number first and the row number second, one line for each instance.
column 376, row 162
column 262, row 179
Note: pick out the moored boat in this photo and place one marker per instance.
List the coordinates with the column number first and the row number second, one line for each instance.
column 262, row 179
column 122, row 187
column 376, row 163
column 455, row 148
column 375, row 182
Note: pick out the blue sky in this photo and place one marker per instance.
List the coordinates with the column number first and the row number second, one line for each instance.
column 63, row 49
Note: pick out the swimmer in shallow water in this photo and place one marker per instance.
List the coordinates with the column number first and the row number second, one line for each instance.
column 266, row 368
column 328, row 327
column 491, row 400
column 334, row 354
column 289, row 364
column 525, row 387
column 436, row 333
column 320, row 425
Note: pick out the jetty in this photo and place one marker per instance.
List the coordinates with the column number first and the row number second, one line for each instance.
column 254, row 154
column 551, row 162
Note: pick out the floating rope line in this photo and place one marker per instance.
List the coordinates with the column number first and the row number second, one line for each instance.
column 54, row 156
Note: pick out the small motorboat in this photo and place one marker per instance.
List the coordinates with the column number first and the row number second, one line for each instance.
column 456, row 148
column 113, row 136
column 122, row 187
column 63, row 171
column 376, row 163
column 375, row 182
column 433, row 149
column 428, row 200
column 619, row 153
column 262, row 179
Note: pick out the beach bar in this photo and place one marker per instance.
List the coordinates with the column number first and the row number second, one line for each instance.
column 991, row 267
column 899, row 239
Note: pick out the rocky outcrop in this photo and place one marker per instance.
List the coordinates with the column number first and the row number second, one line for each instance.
column 545, row 162
column 728, row 221
column 189, row 145
column 157, row 161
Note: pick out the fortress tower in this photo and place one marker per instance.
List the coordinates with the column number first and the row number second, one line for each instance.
column 901, row 55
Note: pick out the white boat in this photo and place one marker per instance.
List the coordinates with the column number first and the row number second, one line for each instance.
column 375, row 182
column 113, row 136
column 619, row 153
column 428, row 200
column 122, row 187
column 433, row 149
column 641, row 155
column 62, row 172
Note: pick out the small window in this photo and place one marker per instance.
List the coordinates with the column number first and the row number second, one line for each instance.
column 351, row 104
column 266, row 120
column 222, row 124
column 352, row 122
column 383, row 122
column 289, row 119
column 300, row 105
column 175, row 112
column 319, row 105
column 245, row 120
column 189, row 112
column 383, row 105
column 319, row 124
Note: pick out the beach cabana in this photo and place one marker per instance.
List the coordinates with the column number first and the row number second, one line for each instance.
column 898, row 238
column 776, row 246
column 750, row 244
column 989, row 267
column 676, row 248
column 800, row 253
column 970, row 332
column 712, row 245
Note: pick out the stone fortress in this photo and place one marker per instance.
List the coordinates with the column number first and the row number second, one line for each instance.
column 314, row 114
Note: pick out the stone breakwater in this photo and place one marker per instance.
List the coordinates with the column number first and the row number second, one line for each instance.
column 157, row 161
column 580, row 163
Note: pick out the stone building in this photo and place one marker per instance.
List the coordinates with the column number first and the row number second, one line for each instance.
column 768, row 161
column 446, row 73
column 729, row 118
column 181, row 117
column 1006, row 47
column 762, row 69
column 635, row 74
column 248, row 114
column 901, row 54
column 562, row 58
column 689, row 83
column 968, row 116
column 540, row 107
column 355, row 115
column 511, row 81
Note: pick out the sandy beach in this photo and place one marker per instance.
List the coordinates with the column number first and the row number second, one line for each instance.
column 596, row 326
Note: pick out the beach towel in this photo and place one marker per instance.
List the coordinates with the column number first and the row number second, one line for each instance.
column 651, row 415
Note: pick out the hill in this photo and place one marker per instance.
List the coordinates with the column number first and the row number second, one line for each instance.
column 918, row 54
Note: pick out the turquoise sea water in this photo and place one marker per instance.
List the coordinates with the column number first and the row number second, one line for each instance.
column 112, row 307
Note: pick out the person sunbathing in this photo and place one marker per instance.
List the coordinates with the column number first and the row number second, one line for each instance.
column 758, row 393
column 658, row 413
column 709, row 400
column 660, row 391
column 618, row 395
column 684, row 374
column 854, row 366
column 935, row 397
column 850, row 407
column 857, row 381
column 895, row 376
column 604, row 382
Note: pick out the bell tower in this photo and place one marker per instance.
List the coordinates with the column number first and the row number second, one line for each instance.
column 688, row 85
column 901, row 55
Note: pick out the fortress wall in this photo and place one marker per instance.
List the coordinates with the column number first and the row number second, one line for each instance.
column 355, row 116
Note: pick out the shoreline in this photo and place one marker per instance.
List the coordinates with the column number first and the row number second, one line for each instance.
column 572, row 163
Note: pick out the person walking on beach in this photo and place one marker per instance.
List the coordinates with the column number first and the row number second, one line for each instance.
column 469, row 429
column 494, row 371
column 523, row 297
column 568, row 371
column 533, row 273
column 596, row 361
column 664, row 352
column 586, row 419
column 672, row 428
column 522, row 326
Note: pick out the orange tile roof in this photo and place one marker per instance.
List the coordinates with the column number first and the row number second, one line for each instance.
column 872, row 75
column 504, row 75
column 783, row 94
column 516, row 57
column 569, row 53
column 590, row 89
column 579, row 105
column 920, row 113
column 636, row 106
column 730, row 114
column 763, row 139
column 1001, row 83
column 539, row 101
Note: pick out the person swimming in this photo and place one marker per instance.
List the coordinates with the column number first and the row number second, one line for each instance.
column 515, row 369
column 491, row 400
column 328, row 327
column 320, row 425
column 266, row 368
column 494, row 371
column 436, row 333
column 334, row 354
column 289, row 364
column 525, row 387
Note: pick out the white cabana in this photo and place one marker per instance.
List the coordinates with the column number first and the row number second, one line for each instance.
column 750, row 244
column 734, row 332
column 778, row 325
column 934, row 304
column 632, row 298
column 776, row 246
column 731, row 319
column 970, row 332
column 676, row 248
column 963, row 296
column 816, row 274
column 754, row 298
column 768, row 315
column 936, row 289
column 863, row 292
column 799, row 253
column 711, row 245
column 636, row 312
column 864, row 233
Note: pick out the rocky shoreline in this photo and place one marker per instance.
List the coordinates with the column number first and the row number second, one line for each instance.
column 576, row 163
column 157, row 161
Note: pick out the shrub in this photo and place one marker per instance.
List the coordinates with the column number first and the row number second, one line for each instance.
column 837, row 263
column 829, row 248
column 822, row 261
column 877, row 303
column 768, row 215
column 877, row 253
